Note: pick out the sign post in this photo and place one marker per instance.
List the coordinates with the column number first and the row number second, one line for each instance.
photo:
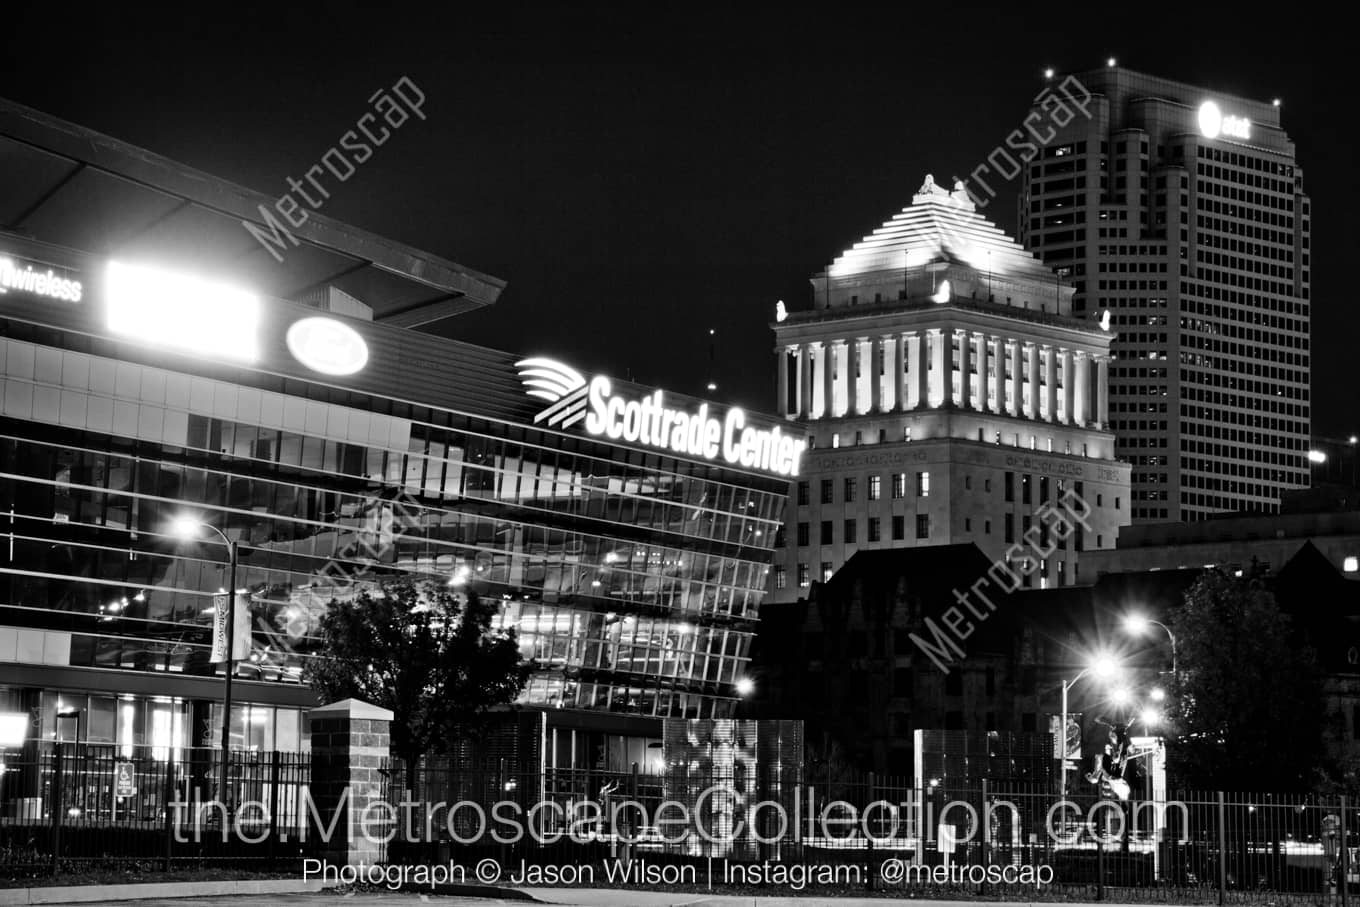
column 124, row 784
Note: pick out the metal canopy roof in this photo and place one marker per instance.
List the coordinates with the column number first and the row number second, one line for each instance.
column 72, row 187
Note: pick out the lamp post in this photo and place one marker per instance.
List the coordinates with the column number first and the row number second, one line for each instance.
column 1101, row 667
column 1137, row 624
column 188, row 527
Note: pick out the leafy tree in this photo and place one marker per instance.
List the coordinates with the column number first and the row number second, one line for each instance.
column 1249, row 691
column 426, row 653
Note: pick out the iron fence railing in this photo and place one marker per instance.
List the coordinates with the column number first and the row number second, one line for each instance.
column 885, row 834
column 72, row 805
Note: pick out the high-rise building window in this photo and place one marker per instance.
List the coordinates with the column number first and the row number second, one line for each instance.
column 803, row 535
column 850, row 490
column 850, row 531
column 826, row 571
column 923, row 525
column 803, row 494
column 923, row 484
column 803, row 581
column 1024, row 488
column 875, row 487
column 826, row 532
column 873, row 529
column 1008, row 526
column 781, row 578
column 899, row 485
column 899, row 528
column 1010, row 486
column 828, row 491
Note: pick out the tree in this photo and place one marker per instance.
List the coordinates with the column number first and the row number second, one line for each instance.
column 1249, row 691
column 426, row 653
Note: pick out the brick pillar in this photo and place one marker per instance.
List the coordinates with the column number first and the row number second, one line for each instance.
column 350, row 742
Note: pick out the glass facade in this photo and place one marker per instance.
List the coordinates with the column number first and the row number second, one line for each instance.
column 633, row 578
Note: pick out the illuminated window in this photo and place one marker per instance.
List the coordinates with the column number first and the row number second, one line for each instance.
column 781, row 578
column 875, row 487
column 827, row 571
column 899, row 485
column 803, row 582
column 923, row 484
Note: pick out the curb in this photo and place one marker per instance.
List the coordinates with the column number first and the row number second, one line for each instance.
column 90, row 894
column 449, row 889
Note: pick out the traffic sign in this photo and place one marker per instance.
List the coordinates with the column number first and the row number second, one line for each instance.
column 124, row 782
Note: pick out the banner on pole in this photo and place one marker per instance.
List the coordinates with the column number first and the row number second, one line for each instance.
column 241, row 644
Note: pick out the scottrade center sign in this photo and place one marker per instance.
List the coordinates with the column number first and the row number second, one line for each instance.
column 650, row 422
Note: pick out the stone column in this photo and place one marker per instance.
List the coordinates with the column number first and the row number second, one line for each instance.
column 944, row 371
column 350, row 742
column 878, row 354
column 998, row 380
column 1069, row 387
column 1017, row 377
column 1081, row 411
column 920, row 349
column 806, row 358
column 896, row 370
column 1032, row 358
column 965, row 399
column 1103, row 393
column 854, row 367
column 1051, row 377
column 829, row 379
column 982, row 355
column 783, row 353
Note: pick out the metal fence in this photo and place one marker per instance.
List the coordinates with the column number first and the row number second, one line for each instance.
column 72, row 806
column 873, row 833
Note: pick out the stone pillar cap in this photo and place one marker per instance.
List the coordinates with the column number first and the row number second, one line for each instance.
column 352, row 708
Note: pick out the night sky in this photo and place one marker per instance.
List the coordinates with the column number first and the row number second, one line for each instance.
column 640, row 177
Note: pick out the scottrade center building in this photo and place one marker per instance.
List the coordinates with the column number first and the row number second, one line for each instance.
column 157, row 362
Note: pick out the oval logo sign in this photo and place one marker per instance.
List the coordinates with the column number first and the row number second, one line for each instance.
column 1210, row 120
column 327, row 346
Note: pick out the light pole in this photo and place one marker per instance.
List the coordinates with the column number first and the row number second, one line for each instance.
column 1137, row 624
column 1101, row 667
column 187, row 527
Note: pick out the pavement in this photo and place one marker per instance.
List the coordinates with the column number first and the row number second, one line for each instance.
column 573, row 897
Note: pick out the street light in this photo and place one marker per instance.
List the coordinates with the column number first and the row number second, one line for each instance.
column 188, row 528
column 745, row 686
column 1101, row 666
column 1137, row 624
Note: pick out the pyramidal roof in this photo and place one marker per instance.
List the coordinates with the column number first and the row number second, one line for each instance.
column 940, row 226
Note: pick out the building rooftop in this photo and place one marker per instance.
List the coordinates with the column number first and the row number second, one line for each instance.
column 78, row 190
column 940, row 226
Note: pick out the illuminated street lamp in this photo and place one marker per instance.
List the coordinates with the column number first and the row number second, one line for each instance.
column 188, row 528
column 745, row 686
column 1137, row 625
column 1102, row 666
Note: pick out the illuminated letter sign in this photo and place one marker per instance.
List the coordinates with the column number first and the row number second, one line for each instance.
column 1212, row 123
column 182, row 312
column 21, row 278
column 327, row 346
column 648, row 421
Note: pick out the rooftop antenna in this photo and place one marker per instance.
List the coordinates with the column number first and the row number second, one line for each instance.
column 712, row 360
